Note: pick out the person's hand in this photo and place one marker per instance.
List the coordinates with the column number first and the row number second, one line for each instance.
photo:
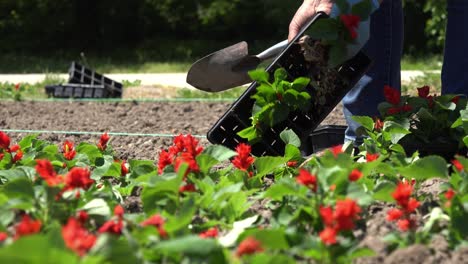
column 305, row 12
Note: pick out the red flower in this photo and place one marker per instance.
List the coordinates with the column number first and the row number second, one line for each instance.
column 1, row 156
column 249, row 246
column 371, row 157
column 187, row 158
column 27, row 226
column 17, row 86
column 407, row 108
column 355, row 175
column 413, row 204
column 346, row 211
column 402, row 193
column 77, row 238
column 68, row 150
column 328, row 236
column 45, row 169
column 3, row 236
column 458, row 165
column 404, row 224
column 243, row 160
column 455, row 99
column 123, row 168
column 83, row 216
column 78, row 178
column 392, row 95
column 156, row 221
column 393, row 110
column 4, row 141
column 291, row 163
column 307, row 179
column 112, row 227
column 187, row 188
column 336, row 150
column 378, row 124
column 18, row 156
column 394, row 214
column 430, row 101
column 102, row 145
column 423, row 92
column 210, row 233
column 449, row 194
column 185, row 144
column 119, row 211
column 165, row 159
column 327, row 215
column 351, row 23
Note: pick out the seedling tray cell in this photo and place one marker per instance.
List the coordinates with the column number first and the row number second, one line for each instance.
column 71, row 90
column 80, row 74
column 324, row 98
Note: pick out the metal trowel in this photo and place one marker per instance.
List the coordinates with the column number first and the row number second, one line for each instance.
column 228, row 68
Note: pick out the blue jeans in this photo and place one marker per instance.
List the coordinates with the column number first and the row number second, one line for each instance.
column 385, row 47
column 455, row 67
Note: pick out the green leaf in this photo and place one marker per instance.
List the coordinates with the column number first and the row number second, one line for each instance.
column 362, row 9
column 191, row 245
column 426, row 168
column 267, row 165
column 337, row 54
column 91, row 151
column 364, row 121
column 219, row 152
column 465, row 140
column 206, row 162
column 27, row 142
column 289, row 137
column 141, row 167
column 270, row 238
column 280, row 75
column 343, row 5
column 360, row 253
column 249, row 133
column 183, row 217
column 39, row 250
column 394, row 131
column 285, row 187
column 103, row 165
column 292, row 152
column 383, row 191
column 259, row 75
column 324, row 29
column 299, row 84
column 97, row 207
column 19, row 188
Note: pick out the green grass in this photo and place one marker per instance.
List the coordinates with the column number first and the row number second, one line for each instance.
column 430, row 79
column 229, row 94
column 431, row 62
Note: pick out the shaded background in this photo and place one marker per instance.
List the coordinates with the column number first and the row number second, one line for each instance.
column 177, row 30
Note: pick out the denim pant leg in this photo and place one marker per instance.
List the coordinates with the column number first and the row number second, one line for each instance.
column 455, row 67
column 385, row 47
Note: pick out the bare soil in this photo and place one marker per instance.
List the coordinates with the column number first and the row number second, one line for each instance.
column 195, row 118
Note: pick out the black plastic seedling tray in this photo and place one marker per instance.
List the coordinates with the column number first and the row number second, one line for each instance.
column 71, row 90
column 324, row 137
column 237, row 117
column 80, row 74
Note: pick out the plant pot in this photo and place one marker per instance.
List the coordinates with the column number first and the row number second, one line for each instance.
column 444, row 147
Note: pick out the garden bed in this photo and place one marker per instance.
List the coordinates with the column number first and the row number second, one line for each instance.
column 196, row 118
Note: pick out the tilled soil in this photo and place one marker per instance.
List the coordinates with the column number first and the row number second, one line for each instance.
column 182, row 118
column 167, row 118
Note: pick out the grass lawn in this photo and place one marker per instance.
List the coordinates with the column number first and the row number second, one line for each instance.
column 121, row 63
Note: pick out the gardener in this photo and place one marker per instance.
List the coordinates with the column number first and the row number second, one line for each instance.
column 385, row 47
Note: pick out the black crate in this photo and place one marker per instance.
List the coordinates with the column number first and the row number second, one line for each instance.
column 80, row 74
column 325, row 137
column 71, row 90
column 237, row 117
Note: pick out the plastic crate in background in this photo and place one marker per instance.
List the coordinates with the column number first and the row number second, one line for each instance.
column 71, row 90
column 237, row 117
column 80, row 74
column 326, row 137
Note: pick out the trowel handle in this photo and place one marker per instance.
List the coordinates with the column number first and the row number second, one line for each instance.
column 273, row 50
